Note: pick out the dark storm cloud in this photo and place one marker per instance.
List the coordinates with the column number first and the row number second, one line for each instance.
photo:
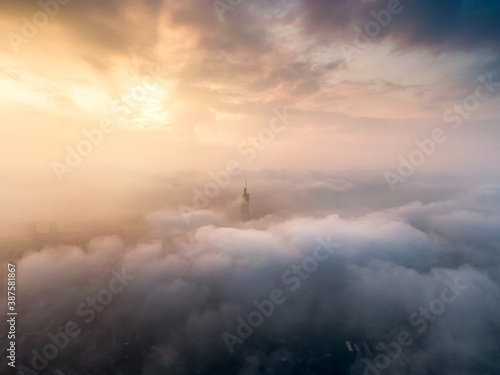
column 439, row 25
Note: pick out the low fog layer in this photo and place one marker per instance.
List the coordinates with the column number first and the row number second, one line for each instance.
column 115, row 194
column 189, row 288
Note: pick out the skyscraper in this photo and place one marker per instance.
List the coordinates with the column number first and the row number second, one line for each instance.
column 245, row 209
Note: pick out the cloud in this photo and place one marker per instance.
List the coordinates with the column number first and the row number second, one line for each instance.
column 441, row 26
column 222, row 80
column 190, row 287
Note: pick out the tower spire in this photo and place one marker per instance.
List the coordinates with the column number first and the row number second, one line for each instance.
column 245, row 209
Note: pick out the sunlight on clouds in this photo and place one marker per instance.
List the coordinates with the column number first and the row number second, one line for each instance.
column 174, row 67
column 18, row 92
column 88, row 98
column 143, row 107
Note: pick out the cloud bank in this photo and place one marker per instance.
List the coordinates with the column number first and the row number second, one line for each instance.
column 191, row 286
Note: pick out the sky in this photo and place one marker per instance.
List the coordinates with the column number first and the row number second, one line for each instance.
column 219, row 71
column 187, row 86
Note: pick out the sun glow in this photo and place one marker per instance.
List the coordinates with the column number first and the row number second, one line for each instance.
column 143, row 107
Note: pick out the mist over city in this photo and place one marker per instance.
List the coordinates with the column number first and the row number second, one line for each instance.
column 250, row 187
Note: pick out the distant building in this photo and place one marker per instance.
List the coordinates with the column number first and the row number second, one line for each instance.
column 245, row 209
